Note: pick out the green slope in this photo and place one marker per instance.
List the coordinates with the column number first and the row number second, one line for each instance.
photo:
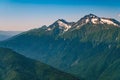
column 14, row 66
column 112, row 72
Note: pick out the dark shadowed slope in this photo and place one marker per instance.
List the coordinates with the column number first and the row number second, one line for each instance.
column 14, row 66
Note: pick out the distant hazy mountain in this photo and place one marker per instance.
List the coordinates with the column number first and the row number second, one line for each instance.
column 14, row 66
column 88, row 48
column 7, row 34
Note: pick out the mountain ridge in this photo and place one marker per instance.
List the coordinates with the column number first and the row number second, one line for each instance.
column 77, row 50
column 62, row 26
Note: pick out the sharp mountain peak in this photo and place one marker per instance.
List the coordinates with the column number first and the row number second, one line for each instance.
column 91, row 18
column 64, row 25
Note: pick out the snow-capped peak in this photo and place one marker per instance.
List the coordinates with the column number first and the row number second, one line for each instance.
column 91, row 18
column 63, row 25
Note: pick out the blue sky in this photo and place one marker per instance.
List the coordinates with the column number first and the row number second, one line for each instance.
column 28, row 14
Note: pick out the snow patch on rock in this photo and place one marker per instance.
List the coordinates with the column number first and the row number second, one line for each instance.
column 94, row 20
column 108, row 21
column 63, row 25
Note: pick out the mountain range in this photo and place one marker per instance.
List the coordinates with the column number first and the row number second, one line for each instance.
column 7, row 34
column 88, row 48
